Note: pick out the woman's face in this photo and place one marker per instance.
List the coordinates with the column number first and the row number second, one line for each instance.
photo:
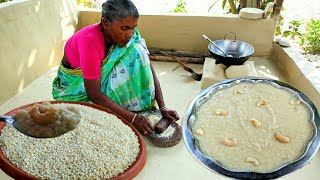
column 120, row 32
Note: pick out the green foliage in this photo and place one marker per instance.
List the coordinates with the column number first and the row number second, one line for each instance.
column 181, row 7
column 279, row 25
column 232, row 6
column 2, row 1
column 306, row 33
column 224, row 2
column 264, row 3
column 310, row 40
column 293, row 31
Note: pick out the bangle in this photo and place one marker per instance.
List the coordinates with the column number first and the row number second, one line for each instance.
column 134, row 117
column 163, row 108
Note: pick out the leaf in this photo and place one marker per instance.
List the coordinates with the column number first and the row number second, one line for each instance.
column 180, row 7
column 296, row 23
column 213, row 5
column 286, row 33
column 224, row 2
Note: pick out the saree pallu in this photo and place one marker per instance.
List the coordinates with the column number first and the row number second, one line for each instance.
column 126, row 78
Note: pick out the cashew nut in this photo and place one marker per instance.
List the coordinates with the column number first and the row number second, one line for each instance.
column 252, row 160
column 255, row 122
column 221, row 112
column 238, row 91
column 230, row 142
column 261, row 102
column 282, row 138
column 200, row 132
column 294, row 102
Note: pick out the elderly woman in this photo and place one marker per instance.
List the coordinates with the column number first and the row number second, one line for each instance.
column 108, row 64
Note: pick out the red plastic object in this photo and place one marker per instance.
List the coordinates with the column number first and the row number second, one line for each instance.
column 130, row 173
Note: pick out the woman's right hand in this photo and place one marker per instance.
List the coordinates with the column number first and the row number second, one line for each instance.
column 143, row 125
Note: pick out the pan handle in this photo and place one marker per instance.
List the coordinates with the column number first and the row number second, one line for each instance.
column 235, row 37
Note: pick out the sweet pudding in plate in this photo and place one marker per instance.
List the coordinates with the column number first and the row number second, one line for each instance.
column 256, row 127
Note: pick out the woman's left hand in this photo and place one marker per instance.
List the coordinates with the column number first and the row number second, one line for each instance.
column 169, row 114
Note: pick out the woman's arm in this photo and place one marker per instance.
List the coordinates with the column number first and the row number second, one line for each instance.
column 167, row 113
column 96, row 96
column 158, row 91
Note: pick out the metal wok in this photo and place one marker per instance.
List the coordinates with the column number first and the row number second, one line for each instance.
column 239, row 50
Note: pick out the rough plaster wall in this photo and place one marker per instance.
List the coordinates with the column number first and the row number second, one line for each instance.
column 32, row 35
column 299, row 72
column 185, row 32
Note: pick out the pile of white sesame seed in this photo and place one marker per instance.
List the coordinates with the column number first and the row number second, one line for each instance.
column 101, row 147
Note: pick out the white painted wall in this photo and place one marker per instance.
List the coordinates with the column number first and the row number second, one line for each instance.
column 32, row 36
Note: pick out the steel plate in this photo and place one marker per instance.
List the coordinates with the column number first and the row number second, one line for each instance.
column 191, row 143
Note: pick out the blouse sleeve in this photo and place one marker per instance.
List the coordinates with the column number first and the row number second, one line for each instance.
column 89, row 55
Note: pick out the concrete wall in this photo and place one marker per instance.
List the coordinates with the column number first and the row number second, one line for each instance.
column 32, row 35
column 184, row 32
column 299, row 72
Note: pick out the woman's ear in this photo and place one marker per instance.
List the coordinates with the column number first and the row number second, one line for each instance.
column 105, row 23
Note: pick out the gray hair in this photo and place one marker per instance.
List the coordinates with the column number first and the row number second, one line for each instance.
column 115, row 10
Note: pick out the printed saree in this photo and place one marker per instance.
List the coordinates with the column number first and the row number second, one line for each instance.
column 126, row 78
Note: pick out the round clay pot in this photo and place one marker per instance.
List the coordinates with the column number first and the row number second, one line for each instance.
column 130, row 173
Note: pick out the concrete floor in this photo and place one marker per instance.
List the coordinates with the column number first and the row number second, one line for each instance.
column 179, row 89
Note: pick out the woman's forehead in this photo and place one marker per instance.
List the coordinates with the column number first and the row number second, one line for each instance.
column 128, row 21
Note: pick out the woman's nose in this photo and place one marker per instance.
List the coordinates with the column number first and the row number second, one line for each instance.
column 130, row 34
